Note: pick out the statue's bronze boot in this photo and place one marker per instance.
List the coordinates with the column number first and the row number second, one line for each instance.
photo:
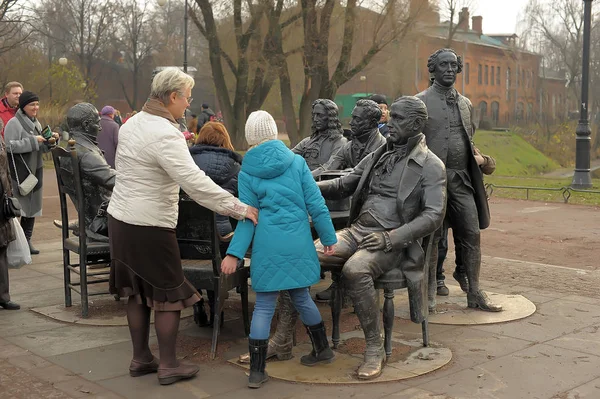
column 476, row 298
column 282, row 342
column 462, row 279
column 479, row 300
column 369, row 315
column 372, row 367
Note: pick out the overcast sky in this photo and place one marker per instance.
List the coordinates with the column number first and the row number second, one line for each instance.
column 499, row 16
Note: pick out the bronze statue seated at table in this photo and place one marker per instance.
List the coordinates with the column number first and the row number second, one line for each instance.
column 398, row 197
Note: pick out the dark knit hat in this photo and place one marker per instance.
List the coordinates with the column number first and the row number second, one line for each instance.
column 379, row 98
column 27, row 97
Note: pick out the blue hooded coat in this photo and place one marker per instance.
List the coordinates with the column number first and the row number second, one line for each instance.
column 279, row 184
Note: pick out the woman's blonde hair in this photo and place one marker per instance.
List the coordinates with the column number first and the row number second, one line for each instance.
column 168, row 81
column 215, row 133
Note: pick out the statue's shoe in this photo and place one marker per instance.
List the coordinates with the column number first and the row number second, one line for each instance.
column 480, row 300
column 281, row 352
column 372, row 367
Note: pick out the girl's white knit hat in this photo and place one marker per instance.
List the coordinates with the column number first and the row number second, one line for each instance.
column 260, row 127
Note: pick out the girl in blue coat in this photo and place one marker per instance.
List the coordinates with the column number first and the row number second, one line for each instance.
column 279, row 183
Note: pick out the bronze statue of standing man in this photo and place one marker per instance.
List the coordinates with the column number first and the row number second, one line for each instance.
column 449, row 132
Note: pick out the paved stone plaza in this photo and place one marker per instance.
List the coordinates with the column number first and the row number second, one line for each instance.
column 553, row 353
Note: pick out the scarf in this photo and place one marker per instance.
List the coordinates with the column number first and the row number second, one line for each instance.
column 154, row 106
column 449, row 92
column 29, row 125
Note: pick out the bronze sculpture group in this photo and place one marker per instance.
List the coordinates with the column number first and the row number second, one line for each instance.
column 403, row 188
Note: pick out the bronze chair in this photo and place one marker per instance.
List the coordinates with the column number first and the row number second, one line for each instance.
column 198, row 240
column 68, row 176
column 388, row 282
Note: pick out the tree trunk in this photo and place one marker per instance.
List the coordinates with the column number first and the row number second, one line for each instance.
column 287, row 105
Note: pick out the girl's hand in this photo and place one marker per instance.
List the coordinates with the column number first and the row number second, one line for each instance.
column 40, row 139
column 328, row 249
column 229, row 264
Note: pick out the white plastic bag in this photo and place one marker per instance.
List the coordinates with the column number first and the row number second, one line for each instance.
column 18, row 250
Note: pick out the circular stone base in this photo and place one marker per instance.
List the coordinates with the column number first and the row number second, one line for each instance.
column 409, row 359
column 102, row 312
column 452, row 309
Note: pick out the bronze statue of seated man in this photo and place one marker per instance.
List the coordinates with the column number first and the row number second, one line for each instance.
column 97, row 177
column 398, row 197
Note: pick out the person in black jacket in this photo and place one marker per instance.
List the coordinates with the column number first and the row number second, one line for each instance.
column 205, row 116
column 215, row 155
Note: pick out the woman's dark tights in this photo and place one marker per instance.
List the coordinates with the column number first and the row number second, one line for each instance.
column 166, row 325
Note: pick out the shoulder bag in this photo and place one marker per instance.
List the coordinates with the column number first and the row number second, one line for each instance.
column 29, row 183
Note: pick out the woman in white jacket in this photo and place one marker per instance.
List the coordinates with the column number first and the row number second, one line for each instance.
column 152, row 163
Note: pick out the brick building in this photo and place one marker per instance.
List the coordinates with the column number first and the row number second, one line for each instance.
column 505, row 83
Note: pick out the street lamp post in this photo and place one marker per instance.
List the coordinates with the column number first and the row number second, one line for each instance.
column 582, row 177
column 185, row 32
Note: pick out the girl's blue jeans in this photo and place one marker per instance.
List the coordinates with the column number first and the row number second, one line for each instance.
column 265, row 308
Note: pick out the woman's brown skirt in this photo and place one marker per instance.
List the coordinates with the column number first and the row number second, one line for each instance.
column 146, row 264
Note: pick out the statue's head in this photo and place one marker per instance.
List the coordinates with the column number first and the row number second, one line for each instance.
column 444, row 65
column 84, row 118
column 325, row 117
column 408, row 116
column 365, row 117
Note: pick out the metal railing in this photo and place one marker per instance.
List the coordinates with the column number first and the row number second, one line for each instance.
column 565, row 191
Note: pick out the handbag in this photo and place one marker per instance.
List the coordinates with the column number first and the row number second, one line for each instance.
column 29, row 183
column 100, row 223
column 11, row 207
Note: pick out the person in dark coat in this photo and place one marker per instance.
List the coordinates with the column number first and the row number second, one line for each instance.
column 205, row 116
column 214, row 154
column 108, row 138
column 25, row 145
column 6, row 232
column 449, row 132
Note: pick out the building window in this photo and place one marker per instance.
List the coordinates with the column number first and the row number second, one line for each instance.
column 482, row 110
column 492, row 77
column 486, row 75
column 479, row 81
column 495, row 112
column 498, row 76
column 467, row 70
column 508, row 84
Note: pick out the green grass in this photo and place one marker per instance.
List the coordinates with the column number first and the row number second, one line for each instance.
column 514, row 156
column 541, row 195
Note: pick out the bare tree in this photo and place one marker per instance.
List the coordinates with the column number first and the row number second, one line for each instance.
column 251, row 62
column 12, row 22
column 391, row 21
column 453, row 12
column 133, row 39
column 79, row 28
column 555, row 29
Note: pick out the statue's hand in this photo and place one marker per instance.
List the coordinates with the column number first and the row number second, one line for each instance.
column 373, row 242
